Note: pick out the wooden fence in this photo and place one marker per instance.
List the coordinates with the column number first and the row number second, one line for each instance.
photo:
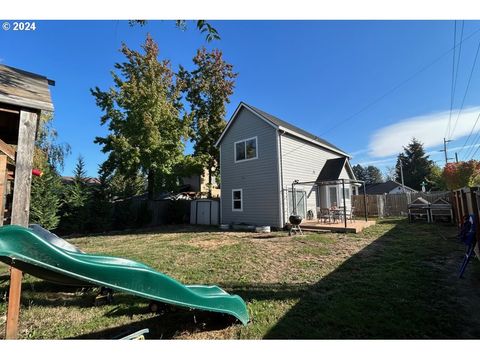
column 137, row 212
column 393, row 204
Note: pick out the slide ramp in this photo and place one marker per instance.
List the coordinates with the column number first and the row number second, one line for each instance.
column 44, row 255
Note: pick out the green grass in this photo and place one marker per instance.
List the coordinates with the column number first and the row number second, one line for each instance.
column 393, row 280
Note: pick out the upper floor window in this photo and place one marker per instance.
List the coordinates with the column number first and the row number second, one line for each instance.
column 246, row 149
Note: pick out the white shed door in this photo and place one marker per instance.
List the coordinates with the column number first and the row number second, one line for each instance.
column 203, row 212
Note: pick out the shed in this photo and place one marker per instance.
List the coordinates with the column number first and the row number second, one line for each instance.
column 23, row 98
column 204, row 212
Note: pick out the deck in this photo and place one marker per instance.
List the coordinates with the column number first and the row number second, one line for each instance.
column 354, row 226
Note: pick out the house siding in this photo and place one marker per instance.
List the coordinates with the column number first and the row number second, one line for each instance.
column 304, row 161
column 257, row 178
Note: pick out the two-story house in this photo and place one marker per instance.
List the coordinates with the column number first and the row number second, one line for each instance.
column 261, row 156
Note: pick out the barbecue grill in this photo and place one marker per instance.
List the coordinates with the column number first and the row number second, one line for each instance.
column 295, row 220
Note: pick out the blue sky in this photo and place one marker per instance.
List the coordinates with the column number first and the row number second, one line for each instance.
column 314, row 74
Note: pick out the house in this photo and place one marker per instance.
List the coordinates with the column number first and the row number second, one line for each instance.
column 89, row 181
column 387, row 187
column 198, row 183
column 261, row 156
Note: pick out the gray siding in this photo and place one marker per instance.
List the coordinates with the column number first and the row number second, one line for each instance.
column 303, row 161
column 257, row 178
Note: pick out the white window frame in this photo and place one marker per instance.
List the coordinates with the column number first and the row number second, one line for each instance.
column 241, row 200
column 245, row 141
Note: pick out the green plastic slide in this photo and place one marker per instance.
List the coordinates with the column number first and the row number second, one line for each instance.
column 42, row 254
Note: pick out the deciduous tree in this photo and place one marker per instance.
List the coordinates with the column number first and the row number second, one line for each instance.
column 208, row 88
column 461, row 174
column 142, row 111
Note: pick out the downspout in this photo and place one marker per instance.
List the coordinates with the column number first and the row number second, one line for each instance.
column 280, row 169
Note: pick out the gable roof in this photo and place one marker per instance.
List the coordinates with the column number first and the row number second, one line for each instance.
column 282, row 125
column 382, row 188
column 332, row 169
column 22, row 88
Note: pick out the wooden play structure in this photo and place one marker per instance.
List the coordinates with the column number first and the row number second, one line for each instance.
column 23, row 97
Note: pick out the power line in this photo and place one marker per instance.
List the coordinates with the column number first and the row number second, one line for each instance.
column 399, row 85
column 478, row 147
column 459, row 52
column 466, row 89
column 471, row 132
column 452, row 87
column 474, row 141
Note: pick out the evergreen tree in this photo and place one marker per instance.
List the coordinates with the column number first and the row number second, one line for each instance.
column 45, row 200
column 370, row 174
column 416, row 165
column 208, row 88
column 143, row 115
column 75, row 201
column 359, row 172
column 100, row 207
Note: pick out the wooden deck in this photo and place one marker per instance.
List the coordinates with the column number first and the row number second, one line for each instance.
column 354, row 226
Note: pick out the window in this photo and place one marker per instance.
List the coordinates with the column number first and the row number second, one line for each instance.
column 246, row 149
column 237, row 200
column 347, row 193
column 332, row 193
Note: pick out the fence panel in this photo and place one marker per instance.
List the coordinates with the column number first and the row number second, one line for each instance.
column 393, row 204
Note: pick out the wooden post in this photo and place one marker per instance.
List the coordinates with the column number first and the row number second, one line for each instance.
column 21, row 208
column 3, row 186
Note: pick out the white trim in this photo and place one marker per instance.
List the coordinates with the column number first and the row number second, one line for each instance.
column 221, row 177
column 241, row 199
column 245, row 141
column 242, row 104
column 351, row 169
column 280, row 190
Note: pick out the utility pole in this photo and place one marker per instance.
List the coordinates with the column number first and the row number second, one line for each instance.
column 401, row 175
column 445, row 141
column 456, row 157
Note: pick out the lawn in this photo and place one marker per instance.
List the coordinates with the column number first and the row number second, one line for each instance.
column 393, row 280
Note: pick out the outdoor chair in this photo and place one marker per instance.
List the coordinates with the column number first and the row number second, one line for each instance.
column 336, row 214
column 350, row 213
column 324, row 214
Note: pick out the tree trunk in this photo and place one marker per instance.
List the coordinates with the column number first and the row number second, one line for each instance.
column 209, row 182
column 151, row 184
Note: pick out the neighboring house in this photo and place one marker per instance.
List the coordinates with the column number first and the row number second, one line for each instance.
column 261, row 156
column 199, row 184
column 388, row 187
column 88, row 180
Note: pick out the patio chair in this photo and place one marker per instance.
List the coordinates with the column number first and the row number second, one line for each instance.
column 350, row 213
column 336, row 214
column 324, row 214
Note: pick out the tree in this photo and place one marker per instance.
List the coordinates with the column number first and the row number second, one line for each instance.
column 208, row 88
column 359, row 172
column 100, row 208
column 390, row 173
column 436, row 180
column 416, row 165
column 143, row 115
column 461, row 174
column 75, row 201
column 122, row 187
column 203, row 26
column 370, row 174
column 45, row 200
